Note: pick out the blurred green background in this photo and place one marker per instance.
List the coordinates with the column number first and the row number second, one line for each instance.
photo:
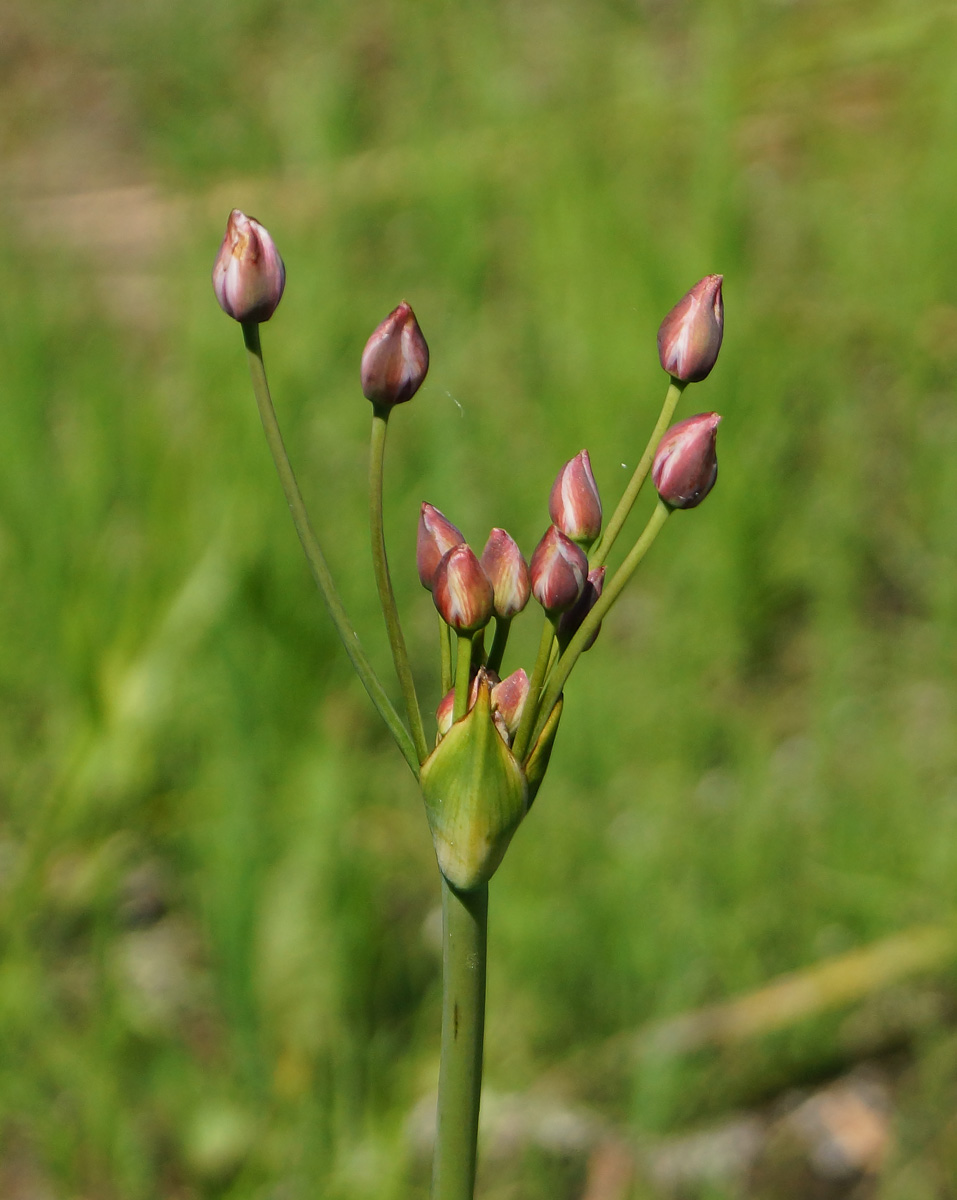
column 218, row 901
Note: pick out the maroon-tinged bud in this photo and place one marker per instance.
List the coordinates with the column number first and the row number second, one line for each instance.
column 248, row 274
column 686, row 464
column 446, row 709
column 507, row 571
column 690, row 335
column 462, row 592
column 508, row 700
column 558, row 571
column 436, row 536
column 570, row 622
column 574, row 504
column 395, row 360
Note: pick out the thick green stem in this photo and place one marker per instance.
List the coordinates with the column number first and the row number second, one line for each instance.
column 380, row 563
column 314, row 555
column 602, row 547
column 611, row 592
column 464, row 950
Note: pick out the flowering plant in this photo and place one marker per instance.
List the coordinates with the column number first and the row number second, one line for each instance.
column 494, row 734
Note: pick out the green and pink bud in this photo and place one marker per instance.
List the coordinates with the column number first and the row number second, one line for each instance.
column 435, row 537
column 248, row 275
column 558, row 572
column 508, row 701
column 574, row 504
column 445, row 712
column 395, row 360
column 508, row 574
column 690, row 335
column 686, row 463
column 462, row 592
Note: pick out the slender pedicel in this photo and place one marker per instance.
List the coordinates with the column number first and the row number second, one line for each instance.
column 314, row 555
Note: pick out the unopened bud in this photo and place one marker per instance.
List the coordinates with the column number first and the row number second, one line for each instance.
column 436, row 536
column 574, row 504
column 508, row 574
column 686, row 464
column 558, row 571
column 690, row 335
column 395, row 360
column 570, row 622
column 446, row 709
column 248, row 274
column 508, row 700
column 462, row 592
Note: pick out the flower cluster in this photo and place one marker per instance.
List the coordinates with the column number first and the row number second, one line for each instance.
column 495, row 732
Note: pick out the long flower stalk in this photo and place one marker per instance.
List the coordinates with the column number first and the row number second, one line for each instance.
column 313, row 551
column 380, row 563
column 602, row 547
column 611, row 592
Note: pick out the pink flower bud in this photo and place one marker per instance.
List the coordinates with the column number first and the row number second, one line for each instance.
column 558, row 570
column 508, row 574
column 436, row 536
column 570, row 622
column 248, row 274
column 574, row 504
column 462, row 592
column 686, row 464
column 446, row 709
column 395, row 360
column 508, row 700
column 690, row 335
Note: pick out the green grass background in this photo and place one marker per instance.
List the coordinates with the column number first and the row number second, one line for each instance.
column 218, row 974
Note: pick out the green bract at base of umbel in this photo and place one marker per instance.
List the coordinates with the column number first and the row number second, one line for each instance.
column 475, row 796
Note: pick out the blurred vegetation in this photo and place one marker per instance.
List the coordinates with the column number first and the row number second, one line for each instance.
column 218, row 969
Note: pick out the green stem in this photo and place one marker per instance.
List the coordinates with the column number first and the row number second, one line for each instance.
column 610, row 594
column 602, row 547
column 314, row 555
column 530, row 711
column 464, row 949
column 380, row 563
column 499, row 641
column 445, row 655
column 463, row 676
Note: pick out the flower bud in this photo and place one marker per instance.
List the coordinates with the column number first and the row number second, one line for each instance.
column 686, row 464
column 436, row 536
column 395, row 360
column 690, row 335
column 446, row 709
column 462, row 592
column 508, row 700
column 570, row 622
column 574, row 504
column 248, row 274
column 558, row 571
column 507, row 571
